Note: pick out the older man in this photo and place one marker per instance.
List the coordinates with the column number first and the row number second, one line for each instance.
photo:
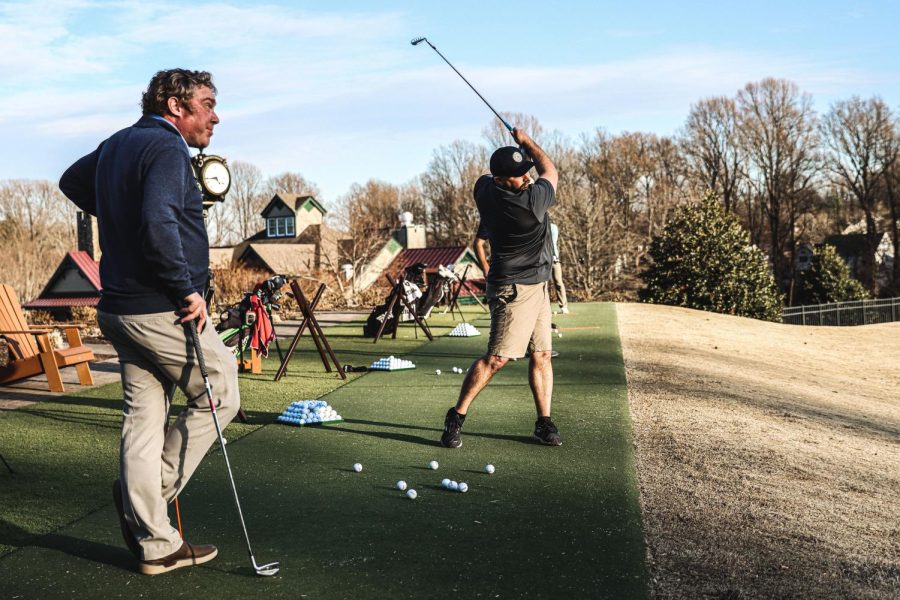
column 154, row 270
column 514, row 220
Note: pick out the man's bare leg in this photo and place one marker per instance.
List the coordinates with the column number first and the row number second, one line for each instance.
column 480, row 374
column 540, row 377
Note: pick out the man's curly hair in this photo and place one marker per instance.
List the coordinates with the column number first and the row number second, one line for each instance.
column 180, row 83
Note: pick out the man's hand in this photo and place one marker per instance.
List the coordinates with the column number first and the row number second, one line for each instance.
column 521, row 137
column 194, row 309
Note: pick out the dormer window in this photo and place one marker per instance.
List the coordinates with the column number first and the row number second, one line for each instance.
column 280, row 227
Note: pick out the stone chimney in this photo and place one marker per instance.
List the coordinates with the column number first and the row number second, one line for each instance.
column 410, row 236
column 88, row 237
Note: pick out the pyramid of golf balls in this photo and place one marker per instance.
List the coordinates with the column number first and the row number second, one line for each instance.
column 464, row 330
column 392, row 363
column 309, row 412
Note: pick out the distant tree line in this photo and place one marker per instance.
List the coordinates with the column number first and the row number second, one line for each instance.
column 789, row 176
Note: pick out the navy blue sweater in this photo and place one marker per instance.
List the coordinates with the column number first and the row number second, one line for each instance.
column 140, row 186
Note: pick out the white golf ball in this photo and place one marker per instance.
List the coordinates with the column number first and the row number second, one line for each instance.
column 463, row 487
column 401, row 485
column 437, row 371
column 489, row 469
column 357, row 467
column 453, row 486
column 445, row 483
column 433, row 465
column 411, row 494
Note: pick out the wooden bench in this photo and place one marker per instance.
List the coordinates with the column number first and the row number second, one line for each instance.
column 31, row 352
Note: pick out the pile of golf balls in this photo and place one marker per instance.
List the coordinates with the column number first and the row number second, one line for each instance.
column 392, row 363
column 433, row 465
column 357, row 467
column 309, row 412
column 464, row 330
column 453, row 486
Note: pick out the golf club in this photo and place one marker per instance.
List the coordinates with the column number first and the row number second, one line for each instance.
column 419, row 40
column 262, row 570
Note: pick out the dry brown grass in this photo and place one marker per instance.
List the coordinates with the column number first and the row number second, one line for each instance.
column 768, row 455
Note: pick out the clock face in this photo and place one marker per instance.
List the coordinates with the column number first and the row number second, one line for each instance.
column 215, row 177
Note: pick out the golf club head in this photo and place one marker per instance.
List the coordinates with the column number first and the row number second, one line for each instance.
column 417, row 41
column 267, row 570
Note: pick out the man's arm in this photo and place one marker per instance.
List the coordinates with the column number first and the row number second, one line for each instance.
column 542, row 163
column 480, row 246
column 78, row 183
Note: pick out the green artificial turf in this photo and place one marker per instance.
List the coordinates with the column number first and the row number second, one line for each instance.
column 551, row 522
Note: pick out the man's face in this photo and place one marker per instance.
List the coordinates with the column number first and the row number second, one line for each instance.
column 196, row 119
column 514, row 184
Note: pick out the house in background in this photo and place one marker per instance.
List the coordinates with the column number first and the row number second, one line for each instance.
column 76, row 281
column 852, row 247
column 407, row 246
column 294, row 242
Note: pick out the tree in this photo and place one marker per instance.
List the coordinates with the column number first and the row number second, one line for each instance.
column 703, row 259
column 447, row 189
column 244, row 201
column 711, row 144
column 37, row 226
column 777, row 129
column 861, row 142
column 828, row 279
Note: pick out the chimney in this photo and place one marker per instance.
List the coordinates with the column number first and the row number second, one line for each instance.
column 88, row 236
column 410, row 236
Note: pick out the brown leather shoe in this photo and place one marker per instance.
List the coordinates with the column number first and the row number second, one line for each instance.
column 186, row 556
column 130, row 540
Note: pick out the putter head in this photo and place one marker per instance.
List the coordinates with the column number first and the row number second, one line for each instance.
column 267, row 570
column 417, row 41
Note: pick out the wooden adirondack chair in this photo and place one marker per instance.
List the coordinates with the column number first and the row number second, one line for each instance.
column 31, row 352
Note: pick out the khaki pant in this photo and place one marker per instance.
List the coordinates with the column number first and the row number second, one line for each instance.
column 560, row 286
column 155, row 356
column 520, row 319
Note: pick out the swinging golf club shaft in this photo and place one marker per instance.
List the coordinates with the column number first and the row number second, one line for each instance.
column 264, row 570
column 419, row 40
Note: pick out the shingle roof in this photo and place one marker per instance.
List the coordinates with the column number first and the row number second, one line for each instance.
column 445, row 255
column 63, row 302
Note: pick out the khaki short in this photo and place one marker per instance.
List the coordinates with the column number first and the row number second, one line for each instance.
column 520, row 319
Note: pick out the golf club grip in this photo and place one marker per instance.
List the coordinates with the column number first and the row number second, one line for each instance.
column 195, row 339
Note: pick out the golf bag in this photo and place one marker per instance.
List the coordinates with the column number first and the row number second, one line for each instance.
column 422, row 302
column 249, row 319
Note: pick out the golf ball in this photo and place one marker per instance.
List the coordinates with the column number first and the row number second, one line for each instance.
column 463, row 487
column 401, row 485
column 357, row 467
column 433, row 465
column 489, row 469
column 445, row 483
column 437, row 371
column 411, row 494
column 453, row 486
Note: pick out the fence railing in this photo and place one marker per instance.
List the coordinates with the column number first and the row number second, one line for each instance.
column 858, row 312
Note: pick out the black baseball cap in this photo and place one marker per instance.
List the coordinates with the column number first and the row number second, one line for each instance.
column 509, row 161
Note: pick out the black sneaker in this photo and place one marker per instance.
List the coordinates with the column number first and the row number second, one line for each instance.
column 453, row 423
column 130, row 540
column 546, row 432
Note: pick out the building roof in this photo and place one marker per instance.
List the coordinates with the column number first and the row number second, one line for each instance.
column 295, row 202
column 88, row 266
column 220, row 258
column 80, row 262
column 282, row 259
column 63, row 302
column 432, row 257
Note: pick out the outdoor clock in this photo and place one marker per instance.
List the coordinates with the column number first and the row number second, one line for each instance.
column 213, row 176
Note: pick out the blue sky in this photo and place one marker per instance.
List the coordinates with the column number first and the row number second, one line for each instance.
column 334, row 90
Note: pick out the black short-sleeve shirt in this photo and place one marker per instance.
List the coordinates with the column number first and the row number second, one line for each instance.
column 518, row 227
